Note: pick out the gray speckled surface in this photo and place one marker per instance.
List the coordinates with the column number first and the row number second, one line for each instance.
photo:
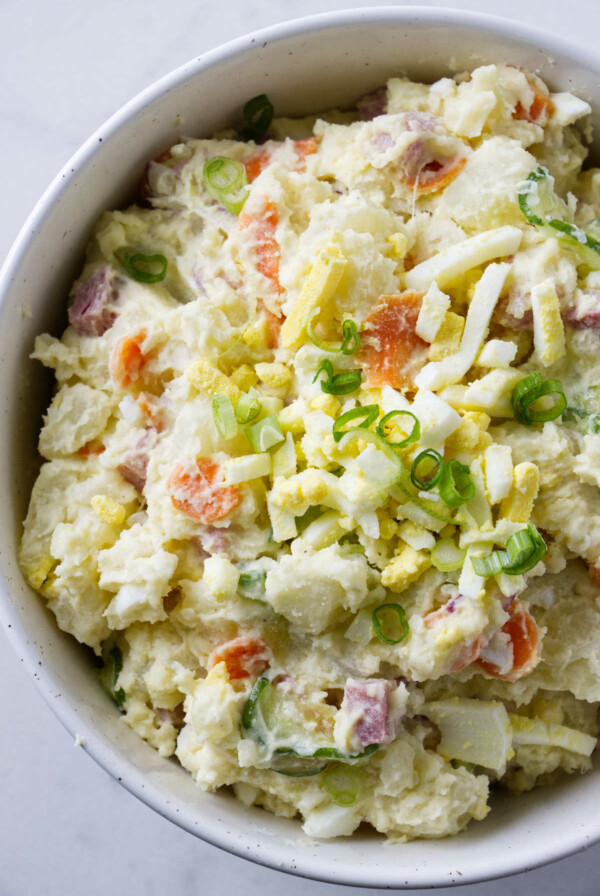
column 65, row 826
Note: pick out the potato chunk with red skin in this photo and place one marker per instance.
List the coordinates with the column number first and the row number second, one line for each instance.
column 199, row 494
column 243, row 656
column 391, row 353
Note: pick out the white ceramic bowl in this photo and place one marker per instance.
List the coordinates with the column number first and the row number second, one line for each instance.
column 304, row 66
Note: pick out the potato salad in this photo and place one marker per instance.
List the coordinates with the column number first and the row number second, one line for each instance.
column 321, row 474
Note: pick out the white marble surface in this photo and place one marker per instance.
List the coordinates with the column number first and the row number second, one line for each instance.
column 65, row 826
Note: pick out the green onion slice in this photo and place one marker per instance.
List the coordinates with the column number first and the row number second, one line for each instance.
column 143, row 268
column 247, row 408
column 286, row 762
column 109, row 674
column 456, row 486
column 595, row 423
column 338, row 383
column 265, row 434
column 491, row 565
column 369, row 413
column 350, row 338
column 258, row 113
column 428, row 455
column 542, row 207
column 523, row 551
column 226, row 181
column 343, row 783
column 252, row 583
column 413, row 435
column 446, row 556
column 529, row 390
column 427, row 507
column 224, row 416
column 390, row 623
column 251, row 705
column 369, row 436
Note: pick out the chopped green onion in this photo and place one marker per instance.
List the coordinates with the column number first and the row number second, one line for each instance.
column 370, row 413
column 343, row 783
column 595, row 423
column 258, row 113
column 427, row 507
column 143, row 268
column 251, row 705
column 456, row 486
column 573, row 415
column 390, row 623
column 413, row 436
column 247, row 408
column 542, row 207
column 224, row 416
column 426, row 484
column 523, row 551
column 252, row 583
column 334, row 753
column 265, row 434
column 338, row 383
column 226, row 181
column 529, row 390
column 109, row 675
column 446, row 556
column 491, row 565
column 287, row 762
column 350, row 338
column 369, row 436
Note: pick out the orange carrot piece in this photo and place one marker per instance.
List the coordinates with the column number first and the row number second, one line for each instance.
column 257, row 164
column 199, row 494
column 244, row 656
column 391, row 353
column 266, row 248
column 274, row 323
column 524, row 637
column 304, row 148
column 436, row 175
column 151, row 408
column 92, row 448
column 540, row 109
column 128, row 360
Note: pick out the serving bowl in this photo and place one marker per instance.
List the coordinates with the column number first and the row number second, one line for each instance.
column 306, row 65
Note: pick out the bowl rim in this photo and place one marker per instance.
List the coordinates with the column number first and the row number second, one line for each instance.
column 122, row 769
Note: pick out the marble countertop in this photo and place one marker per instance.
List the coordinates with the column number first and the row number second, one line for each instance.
column 65, row 826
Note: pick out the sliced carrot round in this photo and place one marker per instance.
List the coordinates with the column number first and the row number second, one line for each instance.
column 391, row 353
column 244, row 656
column 524, row 637
column 198, row 493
